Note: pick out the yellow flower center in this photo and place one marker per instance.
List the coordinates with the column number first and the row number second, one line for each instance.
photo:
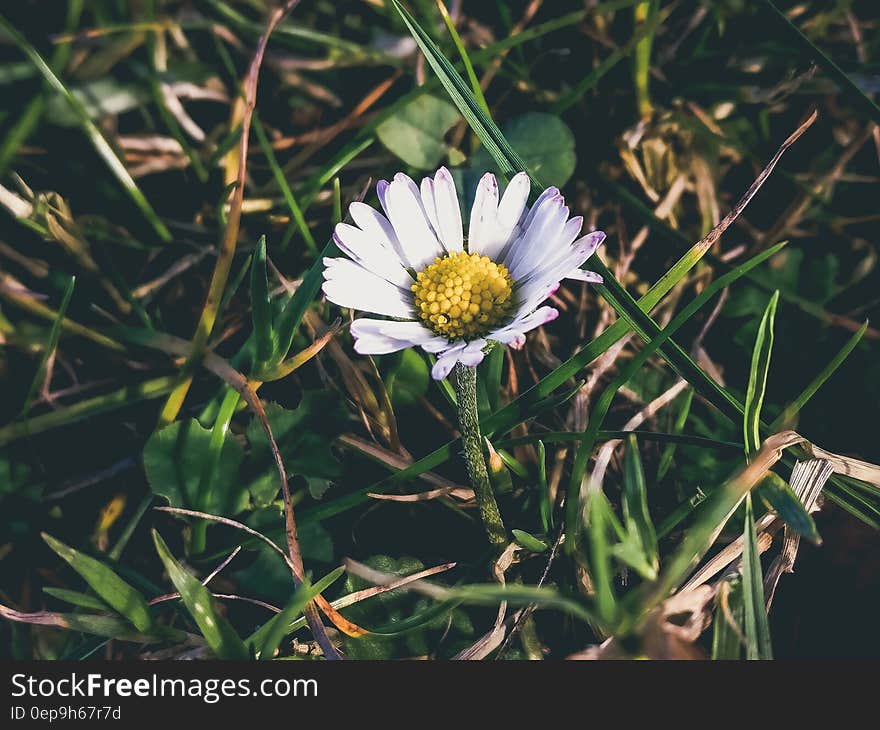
column 463, row 295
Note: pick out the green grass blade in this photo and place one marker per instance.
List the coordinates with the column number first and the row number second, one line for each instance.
column 296, row 211
column 757, row 629
column 726, row 639
column 75, row 598
column 118, row 594
column 758, row 378
column 779, row 496
column 484, row 127
column 103, row 147
column 635, row 502
column 465, row 59
column 261, row 306
column 51, row 345
column 218, row 632
column 265, row 640
column 678, row 427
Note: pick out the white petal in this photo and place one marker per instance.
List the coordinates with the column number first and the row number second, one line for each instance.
column 404, row 206
column 468, row 353
column 483, row 215
column 426, row 193
column 371, row 254
column 413, row 333
column 570, row 259
column 378, row 226
column 348, row 284
column 590, row 277
column 510, row 212
column 540, row 241
column 514, row 334
column 550, row 192
column 448, row 212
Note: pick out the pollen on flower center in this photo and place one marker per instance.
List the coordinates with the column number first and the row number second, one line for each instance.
column 463, row 295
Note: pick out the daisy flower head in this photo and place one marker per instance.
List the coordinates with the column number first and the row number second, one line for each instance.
column 449, row 295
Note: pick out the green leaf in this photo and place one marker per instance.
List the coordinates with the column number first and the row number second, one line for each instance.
column 758, row 378
column 779, row 496
column 529, row 541
column 757, row 629
column 174, row 459
column 110, row 587
column 83, row 600
column 635, row 506
column 408, row 379
column 544, row 142
column 261, row 306
column 218, row 632
column 546, row 507
column 726, row 641
column 303, row 435
column 415, row 132
column 680, row 421
column 601, row 522
column 265, row 640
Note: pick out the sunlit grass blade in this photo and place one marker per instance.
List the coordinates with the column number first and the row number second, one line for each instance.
column 601, row 523
column 757, row 629
column 216, row 629
column 465, row 59
column 758, row 377
column 505, row 156
column 118, row 594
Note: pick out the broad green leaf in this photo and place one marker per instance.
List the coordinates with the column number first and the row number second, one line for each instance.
column 218, row 632
column 758, row 378
column 544, row 142
column 110, row 587
column 415, row 132
column 779, row 496
column 757, row 629
column 174, row 459
column 546, row 507
column 303, row 435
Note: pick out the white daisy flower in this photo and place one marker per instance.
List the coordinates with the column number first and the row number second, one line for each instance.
column 445, row 294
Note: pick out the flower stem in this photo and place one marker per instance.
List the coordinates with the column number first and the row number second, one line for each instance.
column 469, row 421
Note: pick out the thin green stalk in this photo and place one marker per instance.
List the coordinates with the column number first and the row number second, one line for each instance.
column 472, row 443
